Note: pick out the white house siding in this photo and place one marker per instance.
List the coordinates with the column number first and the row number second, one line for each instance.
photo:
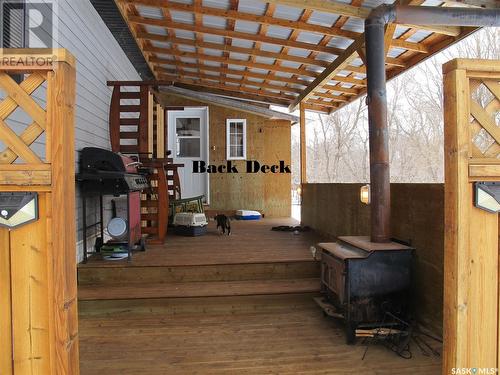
column 99, row 59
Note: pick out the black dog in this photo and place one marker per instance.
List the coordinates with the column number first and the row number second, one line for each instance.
column 223, row 223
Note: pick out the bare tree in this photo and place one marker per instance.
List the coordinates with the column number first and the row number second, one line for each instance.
column 338, row 150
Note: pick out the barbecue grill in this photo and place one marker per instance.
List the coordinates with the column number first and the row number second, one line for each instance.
column 104, row 172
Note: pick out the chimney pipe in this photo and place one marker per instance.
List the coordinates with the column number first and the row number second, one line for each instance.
column 377, row 96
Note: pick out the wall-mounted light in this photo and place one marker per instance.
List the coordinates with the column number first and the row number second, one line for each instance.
column 364, row 194
column 487, row 196
column 18, row 208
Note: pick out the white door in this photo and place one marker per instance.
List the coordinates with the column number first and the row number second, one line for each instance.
column 188, row 140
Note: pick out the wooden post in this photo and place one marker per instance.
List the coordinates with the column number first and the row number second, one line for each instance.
column 38, row 297
column 303, row 144
column 160, row 132
column 471, row 304
column 151, row 111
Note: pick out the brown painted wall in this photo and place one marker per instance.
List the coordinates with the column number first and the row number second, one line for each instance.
column 417, row 217
column 268, row 141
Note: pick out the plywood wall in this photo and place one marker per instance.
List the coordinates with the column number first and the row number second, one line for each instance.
column 268, row 141
column 417, row 217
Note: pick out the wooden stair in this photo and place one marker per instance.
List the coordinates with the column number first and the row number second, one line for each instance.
column 137, row 126
column 196, row 288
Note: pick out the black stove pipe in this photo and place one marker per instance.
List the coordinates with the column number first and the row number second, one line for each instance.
column 377, row 97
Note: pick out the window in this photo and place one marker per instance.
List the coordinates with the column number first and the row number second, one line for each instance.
column 236, row 139
column 188, row 134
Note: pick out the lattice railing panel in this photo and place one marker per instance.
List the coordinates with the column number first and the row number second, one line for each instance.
column 485, row 118
column 19, row 97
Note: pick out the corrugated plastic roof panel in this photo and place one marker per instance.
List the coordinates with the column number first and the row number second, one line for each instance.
column 419, row 36
column 185, row 48
column 247, row 27
column 149, row 12
column 184, row 34
column 287, row 12
column 239, row 56
column 213, row 38
column 212, row 52
column 307, row 37
column 221, row 4
column 264, row 60
column 213, row 21
column 156, row 43
column 182, row 17
column 323, row 19
column 155, row 30
column 252, row 6
column 242, row 43
column 278, row 32
column 312, row 62
column 354, row 24
column 270, row 47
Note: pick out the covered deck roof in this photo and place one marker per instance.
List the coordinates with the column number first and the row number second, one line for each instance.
column 280, row 52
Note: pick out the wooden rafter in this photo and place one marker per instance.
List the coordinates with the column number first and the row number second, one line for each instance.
column 357, row 12
column 232, row 34
column 317, row 80
column 225, row 71
column 339, row 64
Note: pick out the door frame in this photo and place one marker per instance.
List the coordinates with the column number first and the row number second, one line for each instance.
column 173, row 137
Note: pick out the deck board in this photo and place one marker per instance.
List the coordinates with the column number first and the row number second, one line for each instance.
column 241, row 304
column 250, row 242
column 286, row 341
column 199, row 289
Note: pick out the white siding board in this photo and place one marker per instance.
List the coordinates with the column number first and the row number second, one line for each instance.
column 99, row 59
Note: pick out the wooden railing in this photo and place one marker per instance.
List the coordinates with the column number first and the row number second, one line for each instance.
column 38, row 290
column 472, row 151
column 139, row 127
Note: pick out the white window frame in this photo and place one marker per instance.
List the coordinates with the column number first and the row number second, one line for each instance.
column 228, row 144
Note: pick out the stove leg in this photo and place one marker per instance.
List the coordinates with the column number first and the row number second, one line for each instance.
column 350, row 332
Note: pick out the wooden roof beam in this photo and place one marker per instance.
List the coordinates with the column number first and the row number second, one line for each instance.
column 231, row 48
column 337, row 65
column 269, row 76
column 221, row 79
column 330, row 31
column 221, row 59
column 233, row 94
column 220, row 86
column 237, row 15
column 254, row 51
column 231, row 34
column 358, row 12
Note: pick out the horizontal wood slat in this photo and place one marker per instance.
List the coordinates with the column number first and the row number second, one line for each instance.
column 25, row 177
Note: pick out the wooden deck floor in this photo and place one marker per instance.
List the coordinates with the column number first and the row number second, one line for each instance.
column 220, row 305
column 250, row 242
column 285, row 341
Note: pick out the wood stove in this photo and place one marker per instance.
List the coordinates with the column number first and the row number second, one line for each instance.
column 364, row 280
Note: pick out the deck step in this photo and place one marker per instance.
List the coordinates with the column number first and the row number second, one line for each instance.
column 197, row 289
column 198, row 305
column 192, row 273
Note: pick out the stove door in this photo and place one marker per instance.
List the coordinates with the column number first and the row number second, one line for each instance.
column 333, row 275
